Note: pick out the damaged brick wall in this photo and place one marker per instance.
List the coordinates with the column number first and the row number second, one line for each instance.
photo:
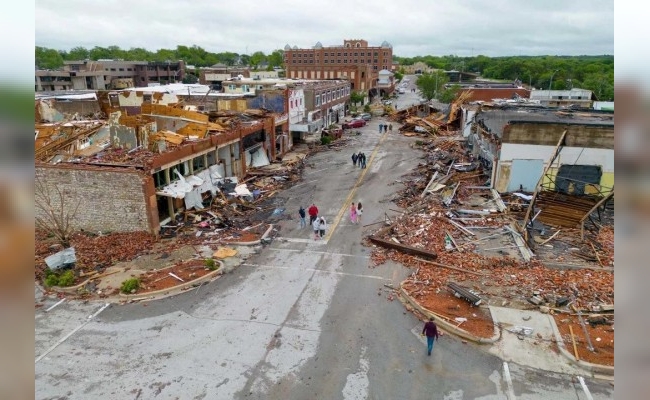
column 110, row 199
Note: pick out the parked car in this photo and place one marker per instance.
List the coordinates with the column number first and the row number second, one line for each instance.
column 387, row 102
column 355, row 123
column 365, row 116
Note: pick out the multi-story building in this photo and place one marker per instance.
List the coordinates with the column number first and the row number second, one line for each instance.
column 354, row 61
column 109, row 74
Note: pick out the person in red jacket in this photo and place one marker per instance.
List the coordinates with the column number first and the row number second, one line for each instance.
column 431, row 330
column 313, row 213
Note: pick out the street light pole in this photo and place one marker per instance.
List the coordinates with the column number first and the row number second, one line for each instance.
column 550, row 84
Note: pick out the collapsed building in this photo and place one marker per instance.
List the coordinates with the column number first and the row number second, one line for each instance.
column 154, row 155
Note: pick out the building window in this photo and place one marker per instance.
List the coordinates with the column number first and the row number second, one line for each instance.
column 129, row 69
column 122, row 69
column 160, row 179
column 317, row 100
column 385, row 54
column 311, row 61
column 376, row 54
column 293, row 61
column 345, row 61
column 356, row 54
column 245, row 88
column 358, row 44
column 325, row 54
column 374, row 67
column 325, row 61
column 344, row 54
column 112, row 69
column 232, row 87
column 198, row 164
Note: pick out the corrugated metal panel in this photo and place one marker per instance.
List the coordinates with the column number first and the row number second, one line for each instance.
column 525, row 174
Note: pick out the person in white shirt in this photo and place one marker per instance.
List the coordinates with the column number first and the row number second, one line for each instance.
column 316, row 225
column 322, row 226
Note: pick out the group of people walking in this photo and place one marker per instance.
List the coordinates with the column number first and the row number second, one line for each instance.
column 385, row 127
column 359, row 158
column 355, row 212
column 318, row 223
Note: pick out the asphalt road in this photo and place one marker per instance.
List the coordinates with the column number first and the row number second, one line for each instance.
column 301, row 319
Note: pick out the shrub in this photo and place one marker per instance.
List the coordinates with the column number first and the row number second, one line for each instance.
column 66, row 278
column 325, row 140
column 51, row 280
column 366, row 108
column 210, row 264
column 419, row 143
column 130, row 285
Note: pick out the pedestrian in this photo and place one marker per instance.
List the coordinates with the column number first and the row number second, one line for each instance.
column 322, row 225
column 359, row 212
column 302, row 214
column 390, row 127
column 359, row 159
column 316, row 226
column 380, row 127
column 431, row 331
column 313, row 213
column 353, row 213
column 363, row 160
column 354, row 159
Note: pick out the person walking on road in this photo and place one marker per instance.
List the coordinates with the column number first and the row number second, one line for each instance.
column 359, row 212
column 359, row 156
column 313, row 213
column 390, row 127
column 363, row 160
column 431, row 331
column 353, row 213
column 355, row 157
column 380, row 127
column 316, row 226
column 302, row 214
column 322, row 226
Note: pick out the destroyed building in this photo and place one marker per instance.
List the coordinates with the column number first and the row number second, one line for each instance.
column 149, row 160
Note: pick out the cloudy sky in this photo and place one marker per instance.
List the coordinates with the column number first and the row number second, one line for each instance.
column 413, row 27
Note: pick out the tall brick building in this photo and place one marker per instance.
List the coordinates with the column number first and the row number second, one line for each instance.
column 354, row 61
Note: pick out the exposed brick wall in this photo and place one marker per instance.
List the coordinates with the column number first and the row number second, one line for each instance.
column 109, row 199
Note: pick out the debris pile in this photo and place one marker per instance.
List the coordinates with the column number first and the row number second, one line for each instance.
column 462, row 239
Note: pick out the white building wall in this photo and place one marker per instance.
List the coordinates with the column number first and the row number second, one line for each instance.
column 296, row 105
column 568, row 155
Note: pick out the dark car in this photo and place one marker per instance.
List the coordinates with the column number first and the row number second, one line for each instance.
column 365, row 117
column 355, row 123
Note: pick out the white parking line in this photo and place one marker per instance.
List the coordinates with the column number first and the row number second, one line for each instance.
column 381, row 278
column 506, row 375
column 302, row 240
column 57, row 303
column 585, row 388
column 63, row 339
column 318, row 252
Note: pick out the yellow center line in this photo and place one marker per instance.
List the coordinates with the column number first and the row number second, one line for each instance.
column 353, row 191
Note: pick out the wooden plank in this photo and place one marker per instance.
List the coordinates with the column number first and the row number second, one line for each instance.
column 449, row 267
column 551, row 238
column 403, row 248
column 454, row 242
column 575, row 347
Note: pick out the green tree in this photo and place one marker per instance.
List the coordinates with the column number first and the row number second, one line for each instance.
column 48, row 58
column 97, row 53
column 357, row 97
column 276, row 59
column 78, row 53
column 398, row 76
column 244, row 59
column 256, row 59
column 430, row 83
column 448, row 95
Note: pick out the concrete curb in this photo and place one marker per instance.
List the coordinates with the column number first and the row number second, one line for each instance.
column 254, row 242
column 449, row 327
column 174, row 289
column 593, row 368
column 75, row 288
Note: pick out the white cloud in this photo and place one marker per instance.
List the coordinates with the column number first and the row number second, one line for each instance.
column 414, row 27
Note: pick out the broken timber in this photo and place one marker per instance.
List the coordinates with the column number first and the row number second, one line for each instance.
column 403, row 248
column 465, row 294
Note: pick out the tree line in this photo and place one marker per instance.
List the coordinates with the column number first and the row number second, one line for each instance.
column 53, row 59
column 595, row 73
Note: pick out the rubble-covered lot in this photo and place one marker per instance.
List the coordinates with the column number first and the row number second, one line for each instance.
column 462, row 242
